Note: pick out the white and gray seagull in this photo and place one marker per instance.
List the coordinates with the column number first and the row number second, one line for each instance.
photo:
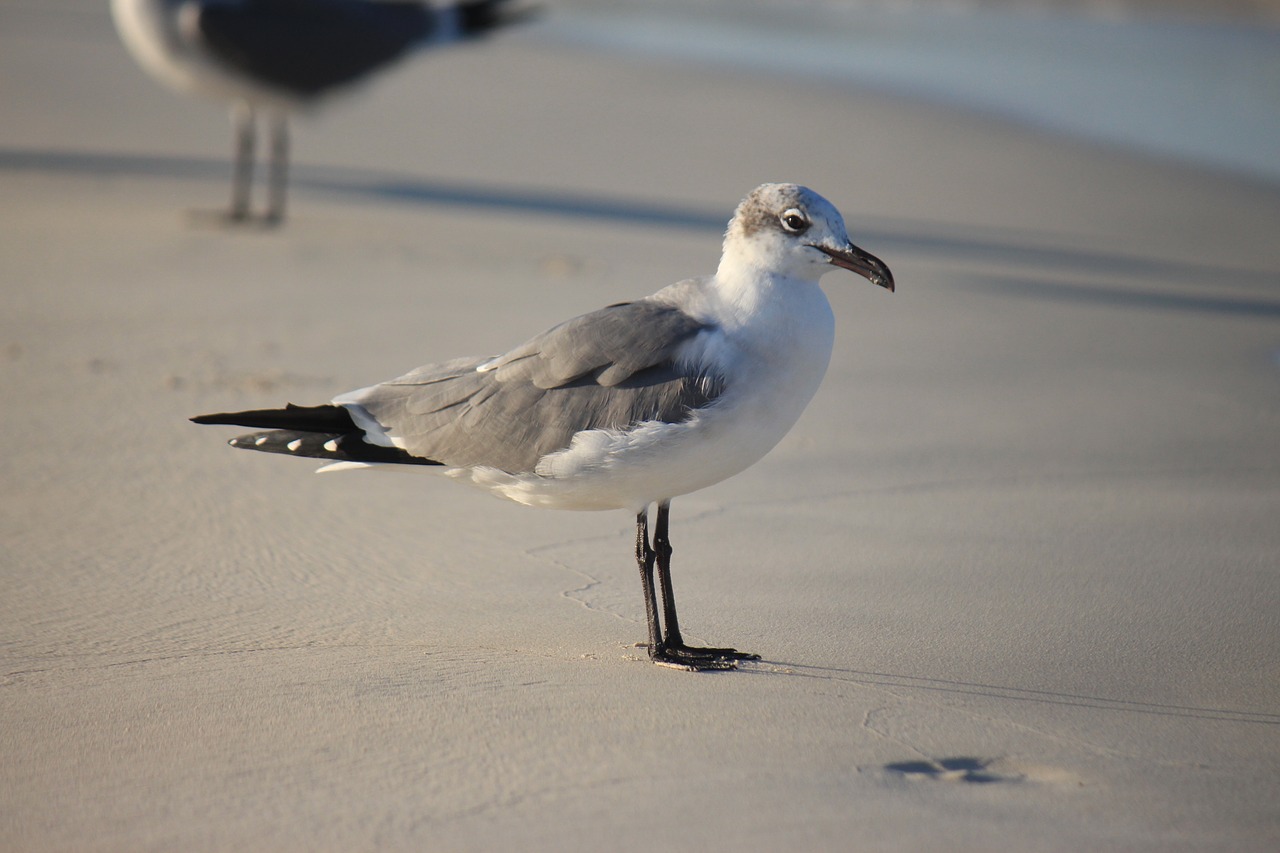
column 279, row 56
column 622, row 408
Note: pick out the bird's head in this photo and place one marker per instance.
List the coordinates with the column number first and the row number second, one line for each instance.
column 790, row 230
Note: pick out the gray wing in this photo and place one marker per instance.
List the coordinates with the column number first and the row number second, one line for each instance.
column 610, row 369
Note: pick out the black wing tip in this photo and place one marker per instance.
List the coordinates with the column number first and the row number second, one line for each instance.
column 331, row 447
column 326, row 418
column 320, row 432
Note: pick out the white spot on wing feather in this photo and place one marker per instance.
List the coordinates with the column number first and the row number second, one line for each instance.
column 353, row 466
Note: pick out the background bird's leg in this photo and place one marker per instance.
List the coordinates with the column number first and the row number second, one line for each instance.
column 278, row 174
column 242, row 120
column 645, row 557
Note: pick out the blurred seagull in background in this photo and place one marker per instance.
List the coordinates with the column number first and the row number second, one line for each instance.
column 622, row 408
column 277, row 56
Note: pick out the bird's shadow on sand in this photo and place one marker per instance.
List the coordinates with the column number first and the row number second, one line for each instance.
column 911, row 683
column 1072, row 292
column 953, row 243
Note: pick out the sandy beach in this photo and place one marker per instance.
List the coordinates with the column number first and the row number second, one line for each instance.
column 1014, row 575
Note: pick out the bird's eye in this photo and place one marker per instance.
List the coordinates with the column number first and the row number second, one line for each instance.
column 794, row 221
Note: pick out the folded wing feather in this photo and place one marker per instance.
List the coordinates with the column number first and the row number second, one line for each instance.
column 610, row 369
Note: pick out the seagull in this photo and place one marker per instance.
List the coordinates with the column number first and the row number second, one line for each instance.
column 623, row 408
column 278, row 56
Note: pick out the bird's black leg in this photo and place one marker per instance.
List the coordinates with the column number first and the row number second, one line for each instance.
column 662, row 545
column 278, row 174
column 242, row 119
column 645, row 557
column 673, row 649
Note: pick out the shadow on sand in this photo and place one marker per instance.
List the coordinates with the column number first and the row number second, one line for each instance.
column 1128, row 297
column 923, row 239
column 1014, row 694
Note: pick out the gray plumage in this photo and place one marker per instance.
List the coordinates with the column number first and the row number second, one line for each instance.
column 610, row 369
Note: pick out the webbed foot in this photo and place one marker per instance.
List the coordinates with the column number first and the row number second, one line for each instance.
column 697, row 658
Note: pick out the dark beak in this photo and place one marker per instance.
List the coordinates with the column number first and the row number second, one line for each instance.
column 863, row 263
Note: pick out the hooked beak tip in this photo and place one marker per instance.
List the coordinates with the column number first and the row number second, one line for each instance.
column 861, row 262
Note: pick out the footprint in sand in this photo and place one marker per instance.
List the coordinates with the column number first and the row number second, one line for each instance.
column 978, row 771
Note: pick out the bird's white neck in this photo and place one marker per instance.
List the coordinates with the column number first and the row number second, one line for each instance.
column 749, row 291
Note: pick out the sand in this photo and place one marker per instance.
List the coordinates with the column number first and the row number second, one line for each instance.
column 1014, row 575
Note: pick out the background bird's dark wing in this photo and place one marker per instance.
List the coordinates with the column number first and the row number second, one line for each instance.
column 307, row 46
